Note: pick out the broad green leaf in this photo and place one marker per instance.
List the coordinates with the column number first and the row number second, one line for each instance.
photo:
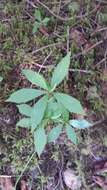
column 37, row 15
column 80, row 124
column 24, row 122
column 45, row 21
column 24, row 95
column 61, row 71
column 54, row 133
column 35, row 78
column 53, row 110
column 36, row 27
column 1, row 78
column 71, row 134
column 38, row 112
column 40, row 140
column 25, row 109
column 70, row 103
column 64, row 112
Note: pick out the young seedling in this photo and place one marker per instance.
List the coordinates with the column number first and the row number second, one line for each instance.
column 39, row 22
column 51, row 107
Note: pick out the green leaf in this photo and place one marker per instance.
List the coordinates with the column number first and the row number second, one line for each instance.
column 54, row 133
column 24, row 95
column 80, row 123
column 45, row 21
column 24, row 122
column 64, row 112
column 40, row 140
column 61, row 71
column 74, row 6
column 35, row 78
column 36, row 27
column 25, row 109
column 37, row 15
column 53, row 110
column 38, row 112
column 71, row 134
column 1, row 78
column 70, row 103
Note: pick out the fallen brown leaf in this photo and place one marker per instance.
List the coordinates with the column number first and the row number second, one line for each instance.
column 6, row 183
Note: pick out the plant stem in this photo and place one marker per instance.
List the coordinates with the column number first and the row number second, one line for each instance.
column 29, row 160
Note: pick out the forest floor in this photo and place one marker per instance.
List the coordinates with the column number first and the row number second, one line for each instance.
column 81, row 27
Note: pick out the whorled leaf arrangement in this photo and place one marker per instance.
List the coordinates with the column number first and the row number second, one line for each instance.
column 52, row 107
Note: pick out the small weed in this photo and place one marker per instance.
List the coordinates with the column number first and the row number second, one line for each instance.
column 39, row 22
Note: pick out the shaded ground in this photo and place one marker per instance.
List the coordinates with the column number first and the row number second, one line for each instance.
column 86, row 36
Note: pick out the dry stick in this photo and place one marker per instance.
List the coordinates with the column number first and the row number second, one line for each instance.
column 30, row 16
column 47, row 46
column 61, row 18
column 29, row 160
column 100, row 62
column 5, row 176
column 102, row 1
column 105, row 55
column 55, row 3
column 98, row 30
column 46, row 58
column 31, row 3
column 73, row 57
column 68, row 39
column 92, row 47
column 57, row 16
column 81, row 71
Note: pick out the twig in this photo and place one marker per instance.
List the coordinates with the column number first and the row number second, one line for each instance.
column 30, row 16
column 61, row 18
column 98, row 30
column 29, row 160
column 68, row 39
column 31, row 3
column 10, row 18
column 102, row 1
column 99, row 122
column 55, row 3
column 46, row 58
column 81, row 71
column 100, row 62
column 43, row 66
column 92, row 47
column 105, row 56
column 5, row 176
column 75, row 56
column 58, row 14
column 72, row 70
column 47, row 46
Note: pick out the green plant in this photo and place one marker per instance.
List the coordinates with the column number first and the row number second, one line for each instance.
column 39, row 22
column 74, row 7
column 1, row 78
column 52, row 108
